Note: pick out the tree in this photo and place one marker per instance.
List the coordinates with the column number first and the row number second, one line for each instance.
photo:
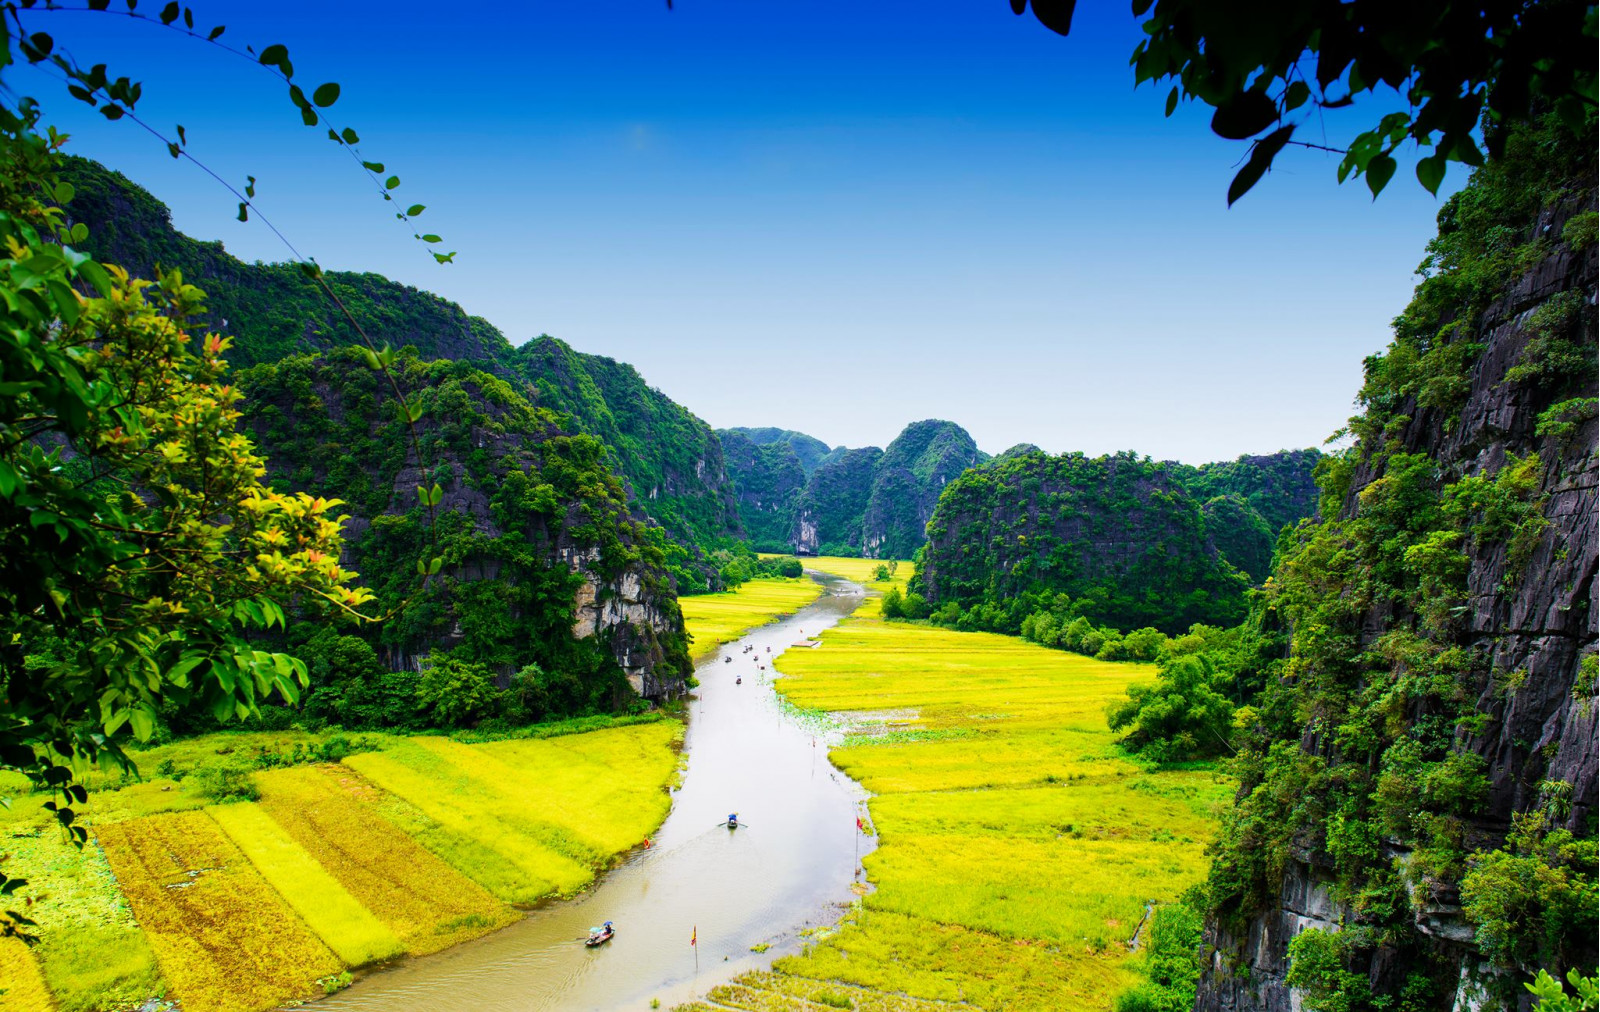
column 141, row 558
column 1181, row 717
column 1266, row 68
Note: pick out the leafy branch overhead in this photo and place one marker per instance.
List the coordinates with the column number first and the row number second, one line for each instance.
column 1268, row 67
column 117, row 98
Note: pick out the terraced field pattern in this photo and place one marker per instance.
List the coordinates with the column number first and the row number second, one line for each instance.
column 396, row 852
column 1019, row 848
column 403, row 850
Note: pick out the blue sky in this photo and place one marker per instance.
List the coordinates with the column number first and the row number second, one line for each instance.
column 830, row 216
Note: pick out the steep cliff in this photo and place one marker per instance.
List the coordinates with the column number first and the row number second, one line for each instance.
column 543, row 562
column 767, row 478
column 672, row 459
column 828, row 513
column 1118, row 534
column 915, row 468
column 1417, row 813
column 868, row 502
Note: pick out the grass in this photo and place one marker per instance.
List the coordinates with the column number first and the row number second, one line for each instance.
column 1018, row 845
column 715, row 619
column 92, row 953
column 224, row 939
column 349, row 929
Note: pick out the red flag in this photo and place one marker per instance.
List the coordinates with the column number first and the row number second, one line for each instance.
column 860, row 826
column 694, row 935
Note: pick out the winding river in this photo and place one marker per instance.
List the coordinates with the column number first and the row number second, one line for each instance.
column 790, row 869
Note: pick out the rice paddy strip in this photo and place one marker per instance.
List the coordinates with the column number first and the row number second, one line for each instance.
column 1018, row 846
column 609, row 787
column 91, row 952
column 224, row 939
column 334, row 814
column 715, row 619
column 349, row 929
column 520, row 869
column 21, row 983
column 859, row 570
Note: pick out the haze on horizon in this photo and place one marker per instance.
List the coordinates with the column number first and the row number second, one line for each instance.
column 814, row 217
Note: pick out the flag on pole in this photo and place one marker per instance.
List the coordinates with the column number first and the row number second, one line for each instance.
column 694, row 934
column 861, row 827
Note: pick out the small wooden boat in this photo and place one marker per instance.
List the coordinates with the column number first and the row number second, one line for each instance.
column 601, row 935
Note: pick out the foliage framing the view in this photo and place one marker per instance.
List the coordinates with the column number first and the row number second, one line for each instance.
column 1267, row 68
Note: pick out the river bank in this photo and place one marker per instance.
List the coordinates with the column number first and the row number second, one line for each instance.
column 315, row 869
column 742, row 897
column 1018, row 845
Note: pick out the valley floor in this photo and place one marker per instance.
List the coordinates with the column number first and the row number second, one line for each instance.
column 1019, row 847
column 404, row 849
column 715, row 619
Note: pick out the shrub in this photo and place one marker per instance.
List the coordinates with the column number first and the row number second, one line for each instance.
column 224, row 780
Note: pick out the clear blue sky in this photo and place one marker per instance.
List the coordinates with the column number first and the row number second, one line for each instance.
column 828, row 216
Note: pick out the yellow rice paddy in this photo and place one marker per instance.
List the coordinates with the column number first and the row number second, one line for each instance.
column 1018, row 846
column 715, row 619
column 247, row 906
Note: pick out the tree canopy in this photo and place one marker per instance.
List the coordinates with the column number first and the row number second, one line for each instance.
column 1268, row 67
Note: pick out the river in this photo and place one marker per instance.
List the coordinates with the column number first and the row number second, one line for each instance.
column 790, row 869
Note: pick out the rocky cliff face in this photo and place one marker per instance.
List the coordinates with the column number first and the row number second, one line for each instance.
column 1526, row 622
column 828, row 513
column 544, row 561
column 905, row 488
column 767, row 478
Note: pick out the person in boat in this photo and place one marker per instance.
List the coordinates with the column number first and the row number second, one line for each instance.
column 733, row 820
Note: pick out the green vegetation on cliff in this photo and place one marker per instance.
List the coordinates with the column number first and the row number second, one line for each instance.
column 1117, row 534
column 529, row 515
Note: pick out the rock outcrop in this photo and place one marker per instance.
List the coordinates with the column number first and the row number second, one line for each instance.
column 1528, row 617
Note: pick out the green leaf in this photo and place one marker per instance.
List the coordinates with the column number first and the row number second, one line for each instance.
column 1296, row 95
column 111, row 112
column 80, row 232
column 215, row 33
column 298, row 97
column 422, row 566
column 391, row 182
column 169, row 13
column 1379, row 171
column 1261, row 155
column 415, row 209
column 243, row 214
column 430, row 237
column 435, row 564
column 274, row 54
column 143, row 721
column 1172, row 100
column 350, row 137
column 372, row 166
column 64, row 192
column 1244, row 115
column 326, row 94
column 1430, row 172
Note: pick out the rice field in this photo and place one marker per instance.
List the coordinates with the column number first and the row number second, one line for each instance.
column 223, row 938
column 251, row 905
column 1018, row 847
column 715, row 619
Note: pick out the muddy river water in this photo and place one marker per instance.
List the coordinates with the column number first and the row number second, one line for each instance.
column 790, row 869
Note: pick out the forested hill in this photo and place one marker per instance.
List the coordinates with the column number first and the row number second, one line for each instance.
column 809, row 451
column 796, row 493
column 671, row 459
column 1134, row 542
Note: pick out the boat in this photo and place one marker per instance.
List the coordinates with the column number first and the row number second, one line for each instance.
column 738, row 680
column 733, row 821
column 600, row 935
